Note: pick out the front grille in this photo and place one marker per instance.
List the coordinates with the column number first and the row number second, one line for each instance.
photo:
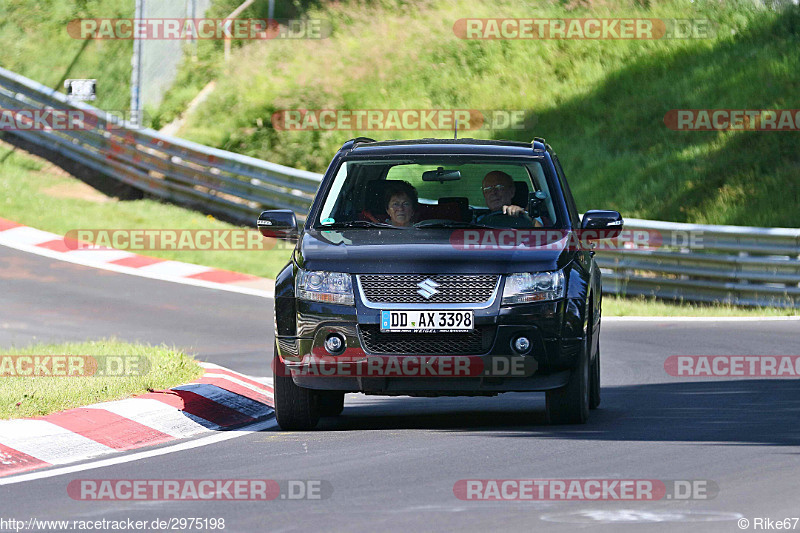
column 475, row 342
column 452, row 289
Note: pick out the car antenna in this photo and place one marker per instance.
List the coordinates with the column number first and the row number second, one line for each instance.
column 455, row 134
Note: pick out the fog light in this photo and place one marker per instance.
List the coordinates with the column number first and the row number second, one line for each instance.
column 522, row 344
column 334, row 344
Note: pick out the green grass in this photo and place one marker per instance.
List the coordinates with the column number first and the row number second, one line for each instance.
column 641, row 306
column 24, row 180
column 35, row 43
column 601, row 104
column 36, row 396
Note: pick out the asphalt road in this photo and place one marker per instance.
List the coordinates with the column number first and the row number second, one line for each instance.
column 392, row 462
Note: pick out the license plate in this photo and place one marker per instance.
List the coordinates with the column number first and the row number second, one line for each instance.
column 427, row 321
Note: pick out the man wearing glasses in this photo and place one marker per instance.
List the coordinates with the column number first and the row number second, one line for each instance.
column 498, row 191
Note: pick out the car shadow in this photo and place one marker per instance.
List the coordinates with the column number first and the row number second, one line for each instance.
column 736, row 411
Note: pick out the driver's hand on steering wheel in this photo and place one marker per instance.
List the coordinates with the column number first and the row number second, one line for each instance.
column 514, row 211
column 517, row 211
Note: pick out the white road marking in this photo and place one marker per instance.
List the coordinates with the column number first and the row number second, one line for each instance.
column 131, row 271
column 25, row 235
column 238, row 382
column 174, row 269
column 99, row 256
column 48, row 442
column 242, row 404
column 180, row 447
column 156, row 415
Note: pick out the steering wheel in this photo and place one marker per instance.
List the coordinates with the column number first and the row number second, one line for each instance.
column 506, row 221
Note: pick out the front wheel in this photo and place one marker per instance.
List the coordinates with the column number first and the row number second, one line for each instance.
column 594, row 399
column 331, row 403
column 570, row 404
column 296, row 408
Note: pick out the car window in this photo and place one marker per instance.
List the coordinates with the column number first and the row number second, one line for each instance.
column 359, row 190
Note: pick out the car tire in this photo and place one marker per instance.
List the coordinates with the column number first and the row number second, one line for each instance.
column 331, row 403
column 296, row 408
column 570, row 404
column 594, row 396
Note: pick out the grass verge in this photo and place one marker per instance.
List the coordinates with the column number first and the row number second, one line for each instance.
column 35, row 193
column 642, row 306
column 26, row 396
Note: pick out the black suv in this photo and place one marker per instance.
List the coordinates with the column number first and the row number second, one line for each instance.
column 439, row 267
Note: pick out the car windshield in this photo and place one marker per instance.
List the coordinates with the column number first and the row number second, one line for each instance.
column 444, row 192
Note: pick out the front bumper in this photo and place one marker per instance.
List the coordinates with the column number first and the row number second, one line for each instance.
column 492, row 368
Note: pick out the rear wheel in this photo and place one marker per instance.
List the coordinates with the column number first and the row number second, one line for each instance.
column 296, row 408
column 570, row 404
column 331, row 403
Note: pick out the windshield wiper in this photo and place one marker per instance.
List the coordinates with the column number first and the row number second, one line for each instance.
column 356, row 224
column 448, row 224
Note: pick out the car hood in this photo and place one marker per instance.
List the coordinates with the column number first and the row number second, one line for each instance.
column 373, row 251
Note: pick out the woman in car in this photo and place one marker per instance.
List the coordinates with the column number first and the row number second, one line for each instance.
column 401, row 203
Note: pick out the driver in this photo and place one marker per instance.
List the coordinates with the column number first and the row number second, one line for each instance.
column 498, row 191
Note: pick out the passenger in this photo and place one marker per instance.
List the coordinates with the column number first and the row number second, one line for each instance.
column 498, row 191
column 401, row 203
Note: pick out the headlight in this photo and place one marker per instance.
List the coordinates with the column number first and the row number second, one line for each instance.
column 533, row 287
column 330, row 287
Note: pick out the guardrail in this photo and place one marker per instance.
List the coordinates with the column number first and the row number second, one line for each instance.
column 178, row 170
column 735, row 264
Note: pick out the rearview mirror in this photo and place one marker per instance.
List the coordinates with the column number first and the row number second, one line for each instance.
column 601, row 224
column 441, row 175
column 277, row 224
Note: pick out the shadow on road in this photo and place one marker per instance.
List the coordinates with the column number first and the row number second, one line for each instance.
column 736, row 412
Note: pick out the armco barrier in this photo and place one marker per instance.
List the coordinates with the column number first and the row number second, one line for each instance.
column 171, row 168
column 735, row 264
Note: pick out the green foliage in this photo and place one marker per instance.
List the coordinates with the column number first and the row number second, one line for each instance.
column 601, row 104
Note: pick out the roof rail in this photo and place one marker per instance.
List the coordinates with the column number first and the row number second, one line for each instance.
column 352, row 142
column 539, row 139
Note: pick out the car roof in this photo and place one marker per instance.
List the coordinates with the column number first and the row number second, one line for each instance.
column 368, row 147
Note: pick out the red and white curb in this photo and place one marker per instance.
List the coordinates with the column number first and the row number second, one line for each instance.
column 221, row 399
column 27, row 239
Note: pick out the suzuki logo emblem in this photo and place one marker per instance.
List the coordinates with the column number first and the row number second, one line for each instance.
column 427, row 288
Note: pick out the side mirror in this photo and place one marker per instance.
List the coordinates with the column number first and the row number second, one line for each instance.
column 601, row 224
column 535, row 202
column 277, row 224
